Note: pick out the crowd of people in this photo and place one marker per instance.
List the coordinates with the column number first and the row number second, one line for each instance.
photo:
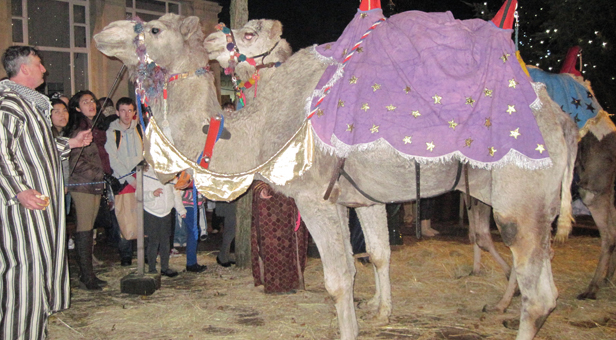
column 60, row 152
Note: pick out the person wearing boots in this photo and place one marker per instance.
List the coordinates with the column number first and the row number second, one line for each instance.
column 33, row 231
column 85, row 185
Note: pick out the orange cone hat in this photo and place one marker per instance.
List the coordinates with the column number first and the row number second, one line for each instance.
column 504, row 17
column 367, row 5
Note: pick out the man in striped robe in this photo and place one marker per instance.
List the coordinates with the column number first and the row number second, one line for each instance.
column 34, row 278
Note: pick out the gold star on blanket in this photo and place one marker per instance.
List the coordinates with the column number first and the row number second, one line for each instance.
column 488, row 122
column 540, row 148
column 375, row 128
column 390, row 107
column 511, row 109
column 407, row 89
column 513, row 83
column 505, row 57
column 365, row 107
column 320, row 112
column 515, row 133
column 344, row 52
column 360, row 49
column 468, row 142
column 430, row 146
column 353, row 80
column 363, row 15
column 452, row 124
column 470, row 101
column 407, row 140
column 340, row 103
column 328, row 46
column 437, row 99
column 350, row 127
column 487, row 92
column 376, row 87
column 492, row 150
column 416, row 113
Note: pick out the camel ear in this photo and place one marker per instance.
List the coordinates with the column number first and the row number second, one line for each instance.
column 189, row 26
column 276, row 30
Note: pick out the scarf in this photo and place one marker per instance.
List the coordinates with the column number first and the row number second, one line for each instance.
column 40, row 101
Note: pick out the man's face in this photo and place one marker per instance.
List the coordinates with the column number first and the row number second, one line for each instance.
column 126, row 114
column 35, row 71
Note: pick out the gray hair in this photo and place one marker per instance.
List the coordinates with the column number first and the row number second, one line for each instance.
column 15, row 56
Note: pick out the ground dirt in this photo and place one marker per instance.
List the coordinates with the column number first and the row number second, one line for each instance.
column 433, row 297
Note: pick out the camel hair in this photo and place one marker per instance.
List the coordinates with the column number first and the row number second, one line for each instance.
column 525, row 202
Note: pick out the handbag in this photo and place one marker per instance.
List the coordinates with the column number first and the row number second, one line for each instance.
column 126, row 213
column 113, row 183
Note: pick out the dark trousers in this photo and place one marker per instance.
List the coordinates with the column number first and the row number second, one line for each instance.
column 158, row 230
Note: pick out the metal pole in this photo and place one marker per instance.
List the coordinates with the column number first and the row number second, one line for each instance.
column 139, row 196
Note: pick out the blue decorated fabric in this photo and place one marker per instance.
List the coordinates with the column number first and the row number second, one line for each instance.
column 572, row 96
column 432, row 87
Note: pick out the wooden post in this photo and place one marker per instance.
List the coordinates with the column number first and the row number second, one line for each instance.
column 140, row 233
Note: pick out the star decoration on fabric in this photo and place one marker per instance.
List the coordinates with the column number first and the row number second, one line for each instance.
column 416, row 113
column 515, row 133
column 576, row 102
column 353, row 80
column 492, row 151
column 360, row 49
column 430, row 146
column 513, row 83
column 505, row 57
column 470, row 101
column 437, row 99
column 374, row 129
column 340, row 103
column 589, row 94
column 511, row 109
column 407, row 89
column 488, row 122
column 468, row 142
column 376, row 87
column 365, row 107
column 390, row 107
column 452, row 124
column 350, row 127
column 328, row 47
column 320, row 112
column 590, row 108
column 576, row 119
column 540, row 148
column 363, row 15
column 407, row 140
column 344, row 52
column 487, row 92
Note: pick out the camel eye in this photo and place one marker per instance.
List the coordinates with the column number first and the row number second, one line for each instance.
column 249, row 36
column 155, row 30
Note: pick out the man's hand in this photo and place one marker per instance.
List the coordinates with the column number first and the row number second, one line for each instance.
column 33, row 199
column 157, row 192
column 83, row 138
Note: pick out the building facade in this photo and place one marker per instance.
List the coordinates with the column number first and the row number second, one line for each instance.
column 63, row 30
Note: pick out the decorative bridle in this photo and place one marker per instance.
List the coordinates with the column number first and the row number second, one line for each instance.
column 236, row 57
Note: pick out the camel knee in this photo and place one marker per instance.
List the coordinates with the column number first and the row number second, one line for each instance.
column 508, row 229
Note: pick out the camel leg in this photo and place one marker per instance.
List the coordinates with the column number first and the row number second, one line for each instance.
column 373, row 220
column 505, row 301
column 328, row 226
column 528, row 236
column 480, row 236
column 602, row 209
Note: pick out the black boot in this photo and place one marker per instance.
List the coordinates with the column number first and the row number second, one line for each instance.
column 83, row 249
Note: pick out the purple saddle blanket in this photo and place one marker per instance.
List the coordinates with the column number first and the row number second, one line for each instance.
column 432, row 87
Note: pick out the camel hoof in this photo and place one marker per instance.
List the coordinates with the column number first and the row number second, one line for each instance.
column 375, row 320
column 561, row 237
column 512, row 324
column 587, row 296
column 493, row 309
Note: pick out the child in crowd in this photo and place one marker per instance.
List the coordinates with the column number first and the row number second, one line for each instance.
column 189, row 235
column 158, row 202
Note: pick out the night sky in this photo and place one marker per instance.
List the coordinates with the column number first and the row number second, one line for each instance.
column 319, row 21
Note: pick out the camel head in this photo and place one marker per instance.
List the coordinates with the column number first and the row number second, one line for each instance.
column 172, row 41
column 255, row 38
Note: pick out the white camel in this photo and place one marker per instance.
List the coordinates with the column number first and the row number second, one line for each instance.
column 525, row 202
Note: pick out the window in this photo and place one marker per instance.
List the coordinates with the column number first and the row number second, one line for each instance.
column 60, row 30
column 150, row 9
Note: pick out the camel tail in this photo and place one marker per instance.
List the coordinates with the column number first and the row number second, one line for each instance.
column 565, row 218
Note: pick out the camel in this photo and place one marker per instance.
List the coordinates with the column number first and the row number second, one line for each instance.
column 524, row 201
column 596, row 168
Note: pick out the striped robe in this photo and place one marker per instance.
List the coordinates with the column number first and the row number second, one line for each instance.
column 34, row 280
